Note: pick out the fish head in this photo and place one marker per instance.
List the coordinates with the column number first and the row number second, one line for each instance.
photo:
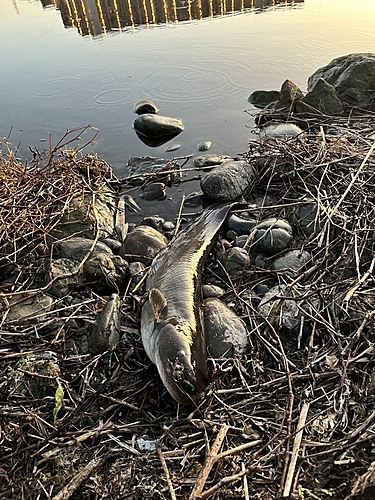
column 175, row 366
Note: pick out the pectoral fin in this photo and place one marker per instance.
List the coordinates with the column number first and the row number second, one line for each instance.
column 158, row 304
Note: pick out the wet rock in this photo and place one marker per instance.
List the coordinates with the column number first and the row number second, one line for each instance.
column 77, row 248
column 236, row 261
column 210, row 160
column 172, row 147
column 226, row 333
column 262, row 98
column 168, row 226
column 272, row 235
column 106, row 332
column 289, row 94
column 204, row 146
column 31, row 310
column 228, row 181
column 154, row 126
column 142, row 107
column 279, row 131
column 240, row 224
column 154, row 191
column 142, row 244
column 194, row 199
column 153, row 221
column 62, row 269
column 323, row 97
column 114, row 245
column 292, row 262
column 210, row 290
column 353, row 77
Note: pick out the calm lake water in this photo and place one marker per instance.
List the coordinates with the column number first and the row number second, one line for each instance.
column 68, row 63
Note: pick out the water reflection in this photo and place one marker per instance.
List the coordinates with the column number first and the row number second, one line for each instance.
column 97, row 17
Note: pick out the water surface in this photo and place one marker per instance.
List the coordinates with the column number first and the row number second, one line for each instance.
column 75, row 62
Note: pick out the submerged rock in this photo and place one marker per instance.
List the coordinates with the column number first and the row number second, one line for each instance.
column 204, row 146
column 262, row 98
column 154, row 126
column 228, row 181
column 353, row 77
column 142, row 107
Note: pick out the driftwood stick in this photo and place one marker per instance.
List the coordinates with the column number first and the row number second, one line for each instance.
column 209, row 463
column 296, row 447
column 166, row 470
column 236, row 449
column 221, row 483
column 245, row 482
column 78, row 479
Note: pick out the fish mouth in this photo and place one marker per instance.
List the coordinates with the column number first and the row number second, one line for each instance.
column 185, row 378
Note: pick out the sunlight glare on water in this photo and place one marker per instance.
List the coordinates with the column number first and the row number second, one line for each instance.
column 200, row 70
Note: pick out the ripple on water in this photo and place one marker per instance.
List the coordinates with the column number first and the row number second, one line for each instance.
column 58, row 87
column 112, row 96
column 190, row 84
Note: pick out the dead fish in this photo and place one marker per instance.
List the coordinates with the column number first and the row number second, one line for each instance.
column 171, row 320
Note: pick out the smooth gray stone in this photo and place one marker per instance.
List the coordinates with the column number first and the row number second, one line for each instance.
column 236, row 261
column 212, row 291
column 153, row 191
column 77, row 248
column 239, row 224
column 154, row 126
column 106, row 332
column 210, row 160
column 228, row 181
column 25, row 311
column 226, row 333
column 292, row 262
column 114, row 245
column 272, row 235
column 353, row 77
column 279, row 131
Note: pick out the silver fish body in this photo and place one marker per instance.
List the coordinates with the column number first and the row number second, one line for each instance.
column 171, row 320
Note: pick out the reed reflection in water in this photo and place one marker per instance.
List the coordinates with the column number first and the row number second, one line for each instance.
column 97, row 17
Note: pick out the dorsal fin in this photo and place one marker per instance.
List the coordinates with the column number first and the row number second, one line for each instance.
column 158, row 304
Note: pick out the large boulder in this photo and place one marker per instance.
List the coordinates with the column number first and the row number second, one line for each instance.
column 353, row 77
column 323, row 97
